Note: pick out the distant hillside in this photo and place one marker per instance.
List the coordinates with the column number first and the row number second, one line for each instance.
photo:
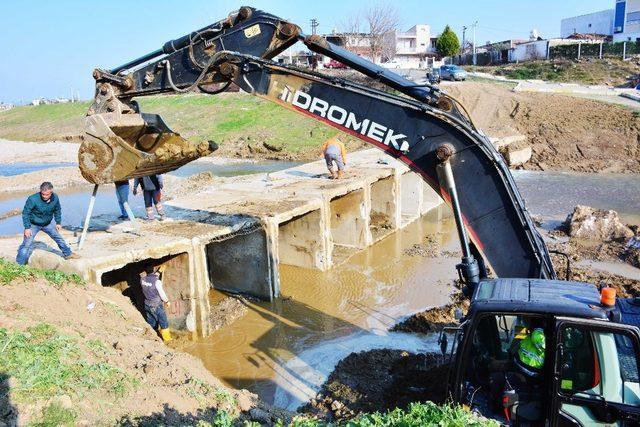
column 243, row 125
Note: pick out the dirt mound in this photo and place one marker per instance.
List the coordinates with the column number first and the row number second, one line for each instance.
column 98, row 331
column 566, row 133
column 392, row 378
column 435, row 319
column 595, row 224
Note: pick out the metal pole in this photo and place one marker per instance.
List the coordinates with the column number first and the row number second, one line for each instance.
column 579, row 49
column 475, row 24
column 468, row 269
column 601, row 43
column 87, row 218
column 132, row 218
column 624, row 51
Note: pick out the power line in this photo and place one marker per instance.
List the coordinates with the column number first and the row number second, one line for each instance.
column 314, row 25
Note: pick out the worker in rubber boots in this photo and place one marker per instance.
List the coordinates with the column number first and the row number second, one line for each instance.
column 334, row 152
column 154, row 301
column 38, row 214
column 152, row 192
column 530, row 357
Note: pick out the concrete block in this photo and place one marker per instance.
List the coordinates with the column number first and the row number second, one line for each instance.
column 518, row 156
column 384, row 217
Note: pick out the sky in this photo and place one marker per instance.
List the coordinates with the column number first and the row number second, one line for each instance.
column 50, row 48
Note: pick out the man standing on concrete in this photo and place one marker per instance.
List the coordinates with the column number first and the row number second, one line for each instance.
column 122, row 193
column 334, row 152
column 154, row 300
column 152, row 191
column 39, row 211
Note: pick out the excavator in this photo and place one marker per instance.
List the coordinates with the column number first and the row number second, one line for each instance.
column 589, row 341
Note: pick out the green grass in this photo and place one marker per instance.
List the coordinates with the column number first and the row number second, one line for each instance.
column 55, row 415
column 592, row 72
column 418, row 415
column 224, row 118
column 46, row 363
column 9, row 271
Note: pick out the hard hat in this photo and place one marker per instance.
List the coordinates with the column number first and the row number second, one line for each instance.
column 538, row 339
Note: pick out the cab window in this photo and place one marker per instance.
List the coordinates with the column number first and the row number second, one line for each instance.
column 599, row 363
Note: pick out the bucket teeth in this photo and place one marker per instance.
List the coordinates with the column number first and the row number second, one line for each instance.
column 118, row 147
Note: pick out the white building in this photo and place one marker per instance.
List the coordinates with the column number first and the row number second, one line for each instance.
column 592, row 23
column 415, row 45
column 626, row 26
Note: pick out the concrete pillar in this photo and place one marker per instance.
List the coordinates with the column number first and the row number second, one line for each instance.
column 430, row 199
column 410, row 197
column 385, row 215
column 349, row 220
column 300, row 242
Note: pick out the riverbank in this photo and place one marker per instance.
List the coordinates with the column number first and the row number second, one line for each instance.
column 82, row 354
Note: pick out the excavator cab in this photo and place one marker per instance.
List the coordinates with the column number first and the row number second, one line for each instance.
column 589, row 375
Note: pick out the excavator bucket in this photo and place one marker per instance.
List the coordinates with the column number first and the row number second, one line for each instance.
column 119, row 147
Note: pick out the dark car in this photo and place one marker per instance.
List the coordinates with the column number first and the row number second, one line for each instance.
column 452, row 72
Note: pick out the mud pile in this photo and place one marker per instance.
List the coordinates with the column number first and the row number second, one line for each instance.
column 392, row 378
column 565, row 133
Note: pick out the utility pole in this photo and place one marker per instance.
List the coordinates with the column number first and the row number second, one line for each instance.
column 464, row 38
column 314, row 25
column 475, row 24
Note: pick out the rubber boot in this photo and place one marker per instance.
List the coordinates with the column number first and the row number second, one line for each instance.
column 165, row 334
column 149, row 216
column 340, row 175
column 160, row 210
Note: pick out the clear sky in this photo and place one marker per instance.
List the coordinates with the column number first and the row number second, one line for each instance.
column 50, row 48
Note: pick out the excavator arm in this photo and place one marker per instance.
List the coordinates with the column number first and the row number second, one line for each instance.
column 420, row 126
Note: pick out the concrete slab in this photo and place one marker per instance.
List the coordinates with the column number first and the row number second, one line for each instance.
column 233, row 235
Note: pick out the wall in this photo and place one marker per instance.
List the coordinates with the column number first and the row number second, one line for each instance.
column 627, row 13
column 592, row 23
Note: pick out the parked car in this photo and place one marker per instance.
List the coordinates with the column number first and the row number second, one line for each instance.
column 334, row 64
column 452, row 72
column 391, row 64
column 433, row 75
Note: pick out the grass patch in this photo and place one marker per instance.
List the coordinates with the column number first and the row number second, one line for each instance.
column 417, row 415
column 9, row 271
column 55, row 415
column 46, row 363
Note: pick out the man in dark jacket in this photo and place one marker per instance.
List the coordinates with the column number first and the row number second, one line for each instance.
column 39, row 211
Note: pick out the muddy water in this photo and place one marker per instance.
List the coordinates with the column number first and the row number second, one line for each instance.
column 554, row 194
column 18, row 168
column 284, row 350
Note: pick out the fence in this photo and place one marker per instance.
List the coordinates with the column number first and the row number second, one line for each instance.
column 484, row 58
column 595, row 50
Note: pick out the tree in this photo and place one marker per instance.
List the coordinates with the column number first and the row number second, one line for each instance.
column 374, row 28
column 448, row 43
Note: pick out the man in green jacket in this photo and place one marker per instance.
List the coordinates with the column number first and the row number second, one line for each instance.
column 39, row 211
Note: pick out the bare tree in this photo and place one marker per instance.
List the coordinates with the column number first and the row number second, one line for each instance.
column 382, row 22
column 373, row 30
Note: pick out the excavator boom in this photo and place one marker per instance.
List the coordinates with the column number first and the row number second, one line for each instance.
column 422, row 127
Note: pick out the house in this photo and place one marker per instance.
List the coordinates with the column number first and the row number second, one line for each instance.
column 415, row 45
